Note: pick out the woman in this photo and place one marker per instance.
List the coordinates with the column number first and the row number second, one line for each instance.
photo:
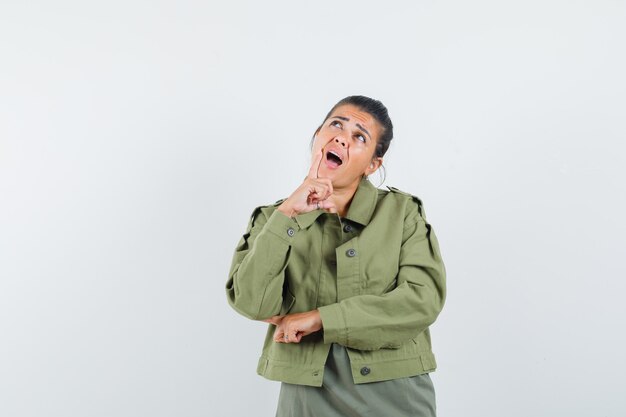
column 348, row 276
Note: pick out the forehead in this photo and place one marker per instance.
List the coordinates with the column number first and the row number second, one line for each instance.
column 359, row 116
column 355, row 115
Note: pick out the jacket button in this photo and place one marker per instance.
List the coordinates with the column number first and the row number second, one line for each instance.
column 290, row 231
column 351, row 252
column 365, row 370
column 347, row 228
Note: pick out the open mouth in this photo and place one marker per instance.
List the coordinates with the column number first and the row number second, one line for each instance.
column 333, row 158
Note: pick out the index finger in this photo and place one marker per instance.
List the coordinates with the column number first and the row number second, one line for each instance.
column 315, row 165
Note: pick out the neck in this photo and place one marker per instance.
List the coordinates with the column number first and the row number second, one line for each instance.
column 342, row 196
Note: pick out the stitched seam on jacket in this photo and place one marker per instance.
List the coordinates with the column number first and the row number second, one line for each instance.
column 345, row 325
column 403, row 358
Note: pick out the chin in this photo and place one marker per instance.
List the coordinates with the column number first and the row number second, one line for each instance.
column 339, row 180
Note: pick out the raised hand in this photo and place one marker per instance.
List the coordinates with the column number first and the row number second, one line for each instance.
column 312, row 192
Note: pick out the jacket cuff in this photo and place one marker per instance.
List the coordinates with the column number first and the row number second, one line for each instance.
column 333, row 324
column 282, row 226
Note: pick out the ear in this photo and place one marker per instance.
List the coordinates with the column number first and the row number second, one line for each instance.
column 374, row 165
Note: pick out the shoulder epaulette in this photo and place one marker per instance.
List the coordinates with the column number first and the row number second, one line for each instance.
column 415, row 198
column 279, row 201
column 256, row 211
column 258, row 208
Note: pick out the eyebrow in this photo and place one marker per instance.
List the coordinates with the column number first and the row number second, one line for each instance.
column 358, row 125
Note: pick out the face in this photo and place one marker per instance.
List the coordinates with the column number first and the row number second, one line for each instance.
column 351, row 134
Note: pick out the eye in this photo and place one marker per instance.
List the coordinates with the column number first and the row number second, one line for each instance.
column 358, row 135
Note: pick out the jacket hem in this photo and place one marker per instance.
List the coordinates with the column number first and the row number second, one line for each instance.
column 301, row 374
column 377, row 371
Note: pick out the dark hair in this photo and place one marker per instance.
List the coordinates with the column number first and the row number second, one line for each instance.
column 377, row 110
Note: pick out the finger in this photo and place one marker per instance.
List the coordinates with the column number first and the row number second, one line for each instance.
column 328, row 205
column 318, row 193
column 328, row 182
column 313, row 196
column 278, row 336
column 288, row 336
column 321, row 189
column 315, row 164
column 313, row 205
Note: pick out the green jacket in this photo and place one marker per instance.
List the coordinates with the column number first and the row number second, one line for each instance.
column 376, row 276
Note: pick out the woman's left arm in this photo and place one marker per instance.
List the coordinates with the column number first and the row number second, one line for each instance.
column 369, row 322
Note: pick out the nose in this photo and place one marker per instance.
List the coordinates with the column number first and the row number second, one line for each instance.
column 340, row 141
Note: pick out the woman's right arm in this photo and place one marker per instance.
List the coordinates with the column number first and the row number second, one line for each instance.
column 257, row 272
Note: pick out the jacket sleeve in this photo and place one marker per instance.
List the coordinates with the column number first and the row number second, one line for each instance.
column 370, row 322
column 255, row 282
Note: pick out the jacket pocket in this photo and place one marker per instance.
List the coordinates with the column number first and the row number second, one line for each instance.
column 288, row 301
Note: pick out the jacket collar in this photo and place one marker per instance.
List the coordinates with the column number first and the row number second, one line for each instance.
column 360, row 210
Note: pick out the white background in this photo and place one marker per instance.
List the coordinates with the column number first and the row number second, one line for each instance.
column 136, row 137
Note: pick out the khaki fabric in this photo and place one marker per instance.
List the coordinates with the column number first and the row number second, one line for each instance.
column 376, row 276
